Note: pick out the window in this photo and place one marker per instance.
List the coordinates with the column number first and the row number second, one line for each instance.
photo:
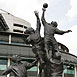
column 18, row 40
column 18, row 25
column 25, row 27
column 33, row 68
column 19, row 31
column 3, row 64
column 68, row 70
column 4, row 38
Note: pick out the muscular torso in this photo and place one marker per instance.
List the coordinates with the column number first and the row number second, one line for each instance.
column 49, row 30
column 36, row 41
column 35, row 38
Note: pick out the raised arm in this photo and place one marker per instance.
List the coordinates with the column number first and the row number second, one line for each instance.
column 43, row 16
column 7, row 71
column 61, row 32
column 38, row 25
column 29, row 65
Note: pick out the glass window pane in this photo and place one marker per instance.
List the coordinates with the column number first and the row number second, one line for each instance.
column 33, row 69
column 69, row 69
column 3, row 61
column 3, row 64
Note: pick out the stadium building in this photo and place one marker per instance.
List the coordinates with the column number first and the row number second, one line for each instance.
column 11, row 42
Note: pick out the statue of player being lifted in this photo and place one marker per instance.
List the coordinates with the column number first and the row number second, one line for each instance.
column 54, row 65
column 50, row 29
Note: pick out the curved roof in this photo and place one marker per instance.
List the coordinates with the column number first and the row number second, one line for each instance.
column 63, row 47
column 69, row 58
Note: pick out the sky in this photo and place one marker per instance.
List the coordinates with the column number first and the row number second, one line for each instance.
column 62, row 11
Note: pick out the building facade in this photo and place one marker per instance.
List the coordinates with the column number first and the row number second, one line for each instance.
column 10, row 23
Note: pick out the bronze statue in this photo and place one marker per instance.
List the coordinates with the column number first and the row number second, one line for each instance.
column 50, row 63
column 36, row 40
column 54, row 65
column 19, row 69
column 50, row 29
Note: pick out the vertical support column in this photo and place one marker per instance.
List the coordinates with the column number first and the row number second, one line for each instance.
column 75, row 70
column 63, row 74
column 23, row 29
column 38, row 70
column 8, row 66
column 9, row 38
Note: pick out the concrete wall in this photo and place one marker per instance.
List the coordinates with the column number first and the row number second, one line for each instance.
column 11, row 20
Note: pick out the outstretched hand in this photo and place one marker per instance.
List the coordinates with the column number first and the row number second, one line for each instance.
column 36, row 13
column 69, row 31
